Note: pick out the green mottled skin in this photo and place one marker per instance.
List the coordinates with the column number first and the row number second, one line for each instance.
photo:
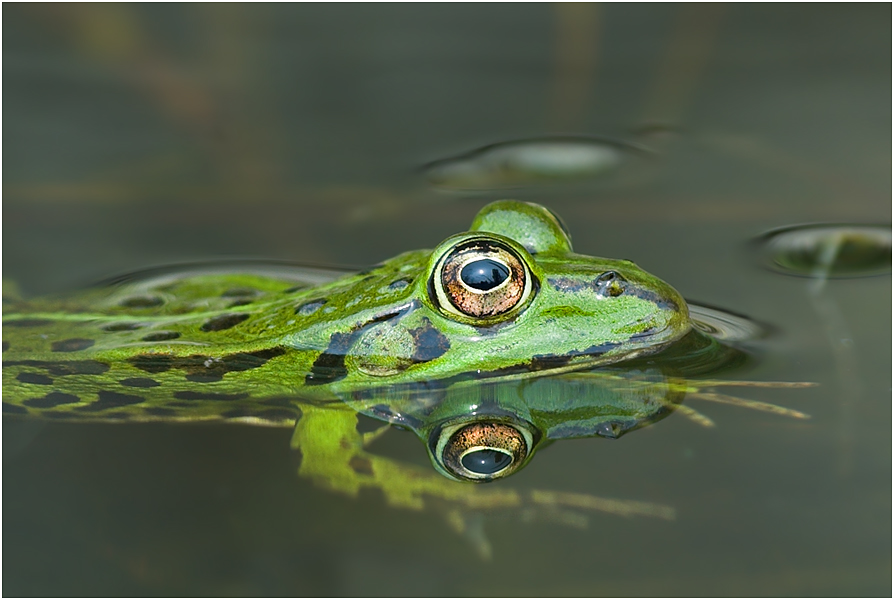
column 269, row 345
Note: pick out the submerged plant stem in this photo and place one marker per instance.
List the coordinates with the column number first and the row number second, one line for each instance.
column 716, row 397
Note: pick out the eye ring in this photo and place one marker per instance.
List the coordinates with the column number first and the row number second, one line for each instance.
column 480, row 451
column 483, row 279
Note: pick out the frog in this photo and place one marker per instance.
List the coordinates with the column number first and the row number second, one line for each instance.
column 456, row 344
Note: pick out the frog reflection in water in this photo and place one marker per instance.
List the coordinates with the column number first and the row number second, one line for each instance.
column 448, row 343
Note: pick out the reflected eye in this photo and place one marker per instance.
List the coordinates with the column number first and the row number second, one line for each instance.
column 482, row 451
column 481, row 279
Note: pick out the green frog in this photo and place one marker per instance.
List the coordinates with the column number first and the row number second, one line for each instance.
column 452, row 343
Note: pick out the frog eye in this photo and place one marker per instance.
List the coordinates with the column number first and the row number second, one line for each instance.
column 482, row 451
column 481, row 279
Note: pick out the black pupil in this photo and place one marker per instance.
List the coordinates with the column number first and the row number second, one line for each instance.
column 486, row 461
column 484, row 274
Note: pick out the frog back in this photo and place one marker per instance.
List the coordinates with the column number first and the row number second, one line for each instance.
column 201, row 342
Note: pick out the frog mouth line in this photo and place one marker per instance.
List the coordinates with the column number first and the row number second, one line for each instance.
column 551, row 364
column 545, row 365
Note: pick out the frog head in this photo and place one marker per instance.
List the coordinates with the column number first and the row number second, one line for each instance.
column 513, row 283
column 510, row 297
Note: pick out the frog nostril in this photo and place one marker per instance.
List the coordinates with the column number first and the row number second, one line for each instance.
column 610, row 283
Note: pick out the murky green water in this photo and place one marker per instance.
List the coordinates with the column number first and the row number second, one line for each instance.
column 138, row 135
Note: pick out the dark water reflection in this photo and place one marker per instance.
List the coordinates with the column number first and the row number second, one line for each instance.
column 138, row 135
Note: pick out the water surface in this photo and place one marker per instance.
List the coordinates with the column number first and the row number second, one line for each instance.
column 142, row 135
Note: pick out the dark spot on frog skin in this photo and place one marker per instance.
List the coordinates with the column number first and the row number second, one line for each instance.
column 159, row 411
column 215, row 370
column 240, row 303
column 541, row 362
column 66, row 368
column 400, row 284
column 5, row 346
column 429, row 343
column 310, row 306
column 330, row 365
column 201, row 368
column 653, row 297
column 492, row 329
column 224, row 322
column 160, row 336
column 26, row 323
column 53, row 399
column 613, row 284
column 189, row 395
column 669, row 305
column 609, row 283
column 361, row 465
column 154, row 364
column 139, row 382
column 566, row 284
column 122, row 327
column 71, row 345
column 34, row 379
column 139, row 302
column 109, row 400
column 14, row 409
column 237, row 292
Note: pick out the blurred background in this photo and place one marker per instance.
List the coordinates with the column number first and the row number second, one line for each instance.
column 672, row 135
